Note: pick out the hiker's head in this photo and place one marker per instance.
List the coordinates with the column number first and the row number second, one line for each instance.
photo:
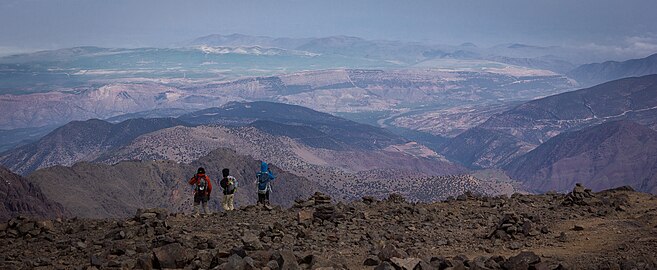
column 200, row 170
column 263, row 166
column 225, row 172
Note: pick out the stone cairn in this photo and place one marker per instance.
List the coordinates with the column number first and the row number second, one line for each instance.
column 580, row 196
column 324, row 210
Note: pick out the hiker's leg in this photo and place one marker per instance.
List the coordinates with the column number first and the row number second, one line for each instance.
column 224, row 202
column 196, row 208
column 197, row 201
column 230, row 202
column 261, row 198
column 206, row 210
column 267, row 197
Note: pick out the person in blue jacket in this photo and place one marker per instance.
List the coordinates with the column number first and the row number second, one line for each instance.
column 263, row 179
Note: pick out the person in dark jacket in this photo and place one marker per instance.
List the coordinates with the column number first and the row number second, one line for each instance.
column 202, row 191
column 229, row 185
column 263, row 179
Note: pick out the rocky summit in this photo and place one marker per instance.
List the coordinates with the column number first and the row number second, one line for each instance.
column 611, row 229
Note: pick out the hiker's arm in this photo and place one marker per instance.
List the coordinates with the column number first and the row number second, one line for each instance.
column 191, row 181
column 209, row 185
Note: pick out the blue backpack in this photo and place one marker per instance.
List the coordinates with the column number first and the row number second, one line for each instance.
column 263, row 182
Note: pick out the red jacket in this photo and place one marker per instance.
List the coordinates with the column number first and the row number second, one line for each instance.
column 195, row 180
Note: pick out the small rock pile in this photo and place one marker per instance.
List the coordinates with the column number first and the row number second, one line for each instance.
column 580, row 196
column 513, row 226
column 321, row 208
column 24, row 227
column 324, row 210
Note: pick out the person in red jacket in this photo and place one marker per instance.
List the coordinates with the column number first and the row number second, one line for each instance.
column 202, row 190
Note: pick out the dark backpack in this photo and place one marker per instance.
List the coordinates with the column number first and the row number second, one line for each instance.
column 229, row 184
column 202, row 184
column 263, row 179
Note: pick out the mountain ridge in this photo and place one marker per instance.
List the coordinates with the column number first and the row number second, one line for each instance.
column 21, row 197
column 78, row 141
column 595, row 73
column 532, row 123
column 600, row 157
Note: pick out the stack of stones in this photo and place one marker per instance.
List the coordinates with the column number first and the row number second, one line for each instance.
column 580, row 196
column 324, row 210
column 512, row 226
column 24, row 227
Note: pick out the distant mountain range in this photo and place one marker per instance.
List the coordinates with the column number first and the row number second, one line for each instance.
column 317, row 151
column 555, row 58
column 325, row 135
column 340, row 90
column 604, row 156
column 591, row 74
column 296, row 122
column 508, row 135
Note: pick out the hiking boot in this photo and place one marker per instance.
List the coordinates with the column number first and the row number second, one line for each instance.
column 197, row 211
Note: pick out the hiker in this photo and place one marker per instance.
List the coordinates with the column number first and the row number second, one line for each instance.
column 202, row 190
column 263, row 179
column 229, row 185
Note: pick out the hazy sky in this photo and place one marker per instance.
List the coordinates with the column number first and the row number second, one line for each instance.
column 625, row 25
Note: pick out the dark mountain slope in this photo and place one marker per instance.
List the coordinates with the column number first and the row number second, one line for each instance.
column 20, row 197
column 344, row 131
column 304, row 134
column 98, row 190
column 534, row 122
column 79, row 141
column 604, row 156
column 591, row 74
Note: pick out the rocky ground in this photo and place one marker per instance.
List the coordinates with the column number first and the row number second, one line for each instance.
column 613, row 229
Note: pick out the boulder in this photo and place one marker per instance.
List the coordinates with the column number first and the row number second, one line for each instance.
column 372, row 261
column 389, row 251
column 288, row 261
column 171, row 256
column 145, row 262
column 251, row 241
column 521, row 261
